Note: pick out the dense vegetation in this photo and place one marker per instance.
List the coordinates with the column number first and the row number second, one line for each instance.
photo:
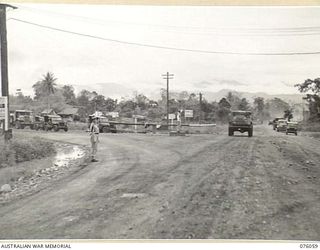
column 47, row 94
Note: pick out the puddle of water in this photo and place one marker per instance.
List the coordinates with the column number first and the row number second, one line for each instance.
column 67, row 154
column 133, row 195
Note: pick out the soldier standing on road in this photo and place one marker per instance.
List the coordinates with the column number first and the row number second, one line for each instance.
column 94, row 138
column 179, row 120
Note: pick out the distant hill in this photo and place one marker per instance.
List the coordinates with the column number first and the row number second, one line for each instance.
column 108, row 89
column 116, row 90
column 290, row 98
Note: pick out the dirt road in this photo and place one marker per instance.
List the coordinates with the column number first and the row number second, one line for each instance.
column 200, row 186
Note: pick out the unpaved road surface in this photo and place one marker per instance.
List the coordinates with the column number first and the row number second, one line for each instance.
column 159, row 187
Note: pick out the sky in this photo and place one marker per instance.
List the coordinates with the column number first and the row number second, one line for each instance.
column 117, row 69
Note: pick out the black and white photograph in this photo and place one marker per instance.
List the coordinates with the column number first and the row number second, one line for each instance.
column 156, row 122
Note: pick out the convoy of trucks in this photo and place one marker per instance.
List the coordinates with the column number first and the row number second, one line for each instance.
column 21, row 119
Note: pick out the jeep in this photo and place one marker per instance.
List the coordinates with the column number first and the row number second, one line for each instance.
column 240, row 121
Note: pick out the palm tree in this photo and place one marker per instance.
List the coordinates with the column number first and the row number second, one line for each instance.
column 49, row 83
column 45, row 87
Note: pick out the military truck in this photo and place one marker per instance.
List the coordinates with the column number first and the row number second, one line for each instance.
column 275, row 122
column 22, row 119
column 54, row 122
column 281, row 125
column 105, row 126
column 292, row 127
column 240, row 121
column 38, row 122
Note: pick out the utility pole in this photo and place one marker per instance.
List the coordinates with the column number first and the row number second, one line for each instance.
column 200, row 103
column 4, row 64
column 168, row 77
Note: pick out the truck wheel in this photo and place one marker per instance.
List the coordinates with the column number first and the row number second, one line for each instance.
column 55, row 128
column 230, row 132
column 250, row 132
column 66, row 129
column 22, row 126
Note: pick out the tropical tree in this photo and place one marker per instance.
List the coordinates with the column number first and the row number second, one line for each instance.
column 46, row 86
column 244, row 104
column 68, row 94
column 313, row 97
column 288, row 114
column 276, row 107
column 110, row 104
column 233, row 99
column 223, row 110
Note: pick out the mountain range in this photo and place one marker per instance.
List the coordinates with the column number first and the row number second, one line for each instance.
column 117, row 91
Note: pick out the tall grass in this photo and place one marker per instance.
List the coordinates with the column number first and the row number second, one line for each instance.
column 22, row 149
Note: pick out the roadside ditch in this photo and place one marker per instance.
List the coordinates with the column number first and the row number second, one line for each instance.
column 29, row 177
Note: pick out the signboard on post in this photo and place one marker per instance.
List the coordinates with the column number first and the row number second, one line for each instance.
column 188, row 113
column 113, row 114
column 172, row 116
column 4, row 112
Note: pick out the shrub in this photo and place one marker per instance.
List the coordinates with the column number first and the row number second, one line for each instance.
column 7, row 155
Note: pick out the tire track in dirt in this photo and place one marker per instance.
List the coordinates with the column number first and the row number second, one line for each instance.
column 200, row 206
column 118, row 210
column 289, row 203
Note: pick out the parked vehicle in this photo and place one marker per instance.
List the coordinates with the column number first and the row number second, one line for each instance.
column 241, row 121
column 38, row 122
column 105, row 126
column 55, row 123
column 292, row 127
column 22, row 118
column 281, row 125
column 275, row 122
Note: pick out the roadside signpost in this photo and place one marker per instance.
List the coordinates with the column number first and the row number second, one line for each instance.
column 172, row 116
column 188, row 113
column 4, row 112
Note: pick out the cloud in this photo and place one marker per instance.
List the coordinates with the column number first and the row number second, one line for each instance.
column 203, row 84
column 108, row 89
column 287, row 84
column 218, row 82
column 229, row 82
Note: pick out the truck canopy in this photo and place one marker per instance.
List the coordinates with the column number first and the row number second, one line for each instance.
column 241, row 112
